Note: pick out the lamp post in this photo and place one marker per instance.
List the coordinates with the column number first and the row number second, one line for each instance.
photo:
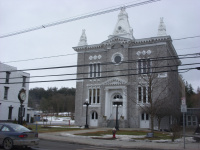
column 87, row 104
column 117, row 104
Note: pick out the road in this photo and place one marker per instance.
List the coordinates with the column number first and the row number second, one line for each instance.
column 59, row 145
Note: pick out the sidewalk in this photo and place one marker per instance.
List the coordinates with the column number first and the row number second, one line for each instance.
column 121, row 141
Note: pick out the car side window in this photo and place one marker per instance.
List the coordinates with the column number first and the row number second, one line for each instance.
column 5, row 129
column 0, row 126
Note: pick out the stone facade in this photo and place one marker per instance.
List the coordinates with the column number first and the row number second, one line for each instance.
column 115, row 76
column 9, row 102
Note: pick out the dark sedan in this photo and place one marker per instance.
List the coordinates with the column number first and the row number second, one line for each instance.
column 16, row 135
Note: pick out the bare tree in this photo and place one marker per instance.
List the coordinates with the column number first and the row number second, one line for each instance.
column 156, row 87
column 45, row 106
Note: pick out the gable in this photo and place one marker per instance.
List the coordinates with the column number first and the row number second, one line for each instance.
column 114, row 81
column 116, row 39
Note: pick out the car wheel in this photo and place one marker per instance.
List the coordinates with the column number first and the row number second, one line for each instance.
column 8, row 143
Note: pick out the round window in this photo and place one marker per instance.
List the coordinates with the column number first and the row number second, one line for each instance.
column 119, row 28
column 117, row 59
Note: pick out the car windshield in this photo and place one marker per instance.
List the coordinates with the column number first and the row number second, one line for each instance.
column 19, row 128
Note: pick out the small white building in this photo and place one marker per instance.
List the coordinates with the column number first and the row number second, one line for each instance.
column 11, row 82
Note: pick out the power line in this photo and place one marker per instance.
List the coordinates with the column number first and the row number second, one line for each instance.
column 39, row 58
column 86, row 73
column 187, row 37
column 111, row 76
column 107, row 63
column 76, row 18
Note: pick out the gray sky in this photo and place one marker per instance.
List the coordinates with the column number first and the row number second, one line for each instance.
column 181, row 17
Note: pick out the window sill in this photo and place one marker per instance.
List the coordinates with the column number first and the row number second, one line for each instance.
column 94, row 79
column 95, row 105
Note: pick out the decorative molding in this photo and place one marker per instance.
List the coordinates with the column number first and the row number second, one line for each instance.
column 123, row 28
column 114, row 81
column 95, row 57
column 161, row 28
column 83, row 39
column 148, row 52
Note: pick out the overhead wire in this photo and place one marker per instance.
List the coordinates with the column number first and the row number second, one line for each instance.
column 39, row 58
column 77, row 18
column 187, row 38
column 107, row 63
column 108, row 71
column 110, row 76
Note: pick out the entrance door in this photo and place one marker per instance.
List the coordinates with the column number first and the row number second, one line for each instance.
column 144, row 120
column 94, row 119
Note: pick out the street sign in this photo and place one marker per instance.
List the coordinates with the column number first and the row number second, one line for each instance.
column 183, row 101
column 183, row 108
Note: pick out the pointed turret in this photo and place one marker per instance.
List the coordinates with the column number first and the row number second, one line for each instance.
column 161, row 28
column 83, row 39
column 122, row 28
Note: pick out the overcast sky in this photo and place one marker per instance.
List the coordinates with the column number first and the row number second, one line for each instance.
column 181, row 17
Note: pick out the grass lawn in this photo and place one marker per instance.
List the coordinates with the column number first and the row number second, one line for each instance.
column 157, row 135
column 41, row 129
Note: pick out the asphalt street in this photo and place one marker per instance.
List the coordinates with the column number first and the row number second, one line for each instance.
column 60, row 145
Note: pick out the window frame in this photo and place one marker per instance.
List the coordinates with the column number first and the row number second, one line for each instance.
column 24, row 81
column 144, row 66
column 95, row 70
column 94, row 95
column 7, row 77
column 143, row 95
column 6, row 92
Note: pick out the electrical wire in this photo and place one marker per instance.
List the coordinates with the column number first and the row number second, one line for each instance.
column 111, row 76
column 187, row 38
column 86, row 73
column 108, row 63
column 77, row 18
column 39, row 58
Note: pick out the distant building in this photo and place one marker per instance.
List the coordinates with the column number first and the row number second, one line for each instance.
column 9, row 102
column 115, row 77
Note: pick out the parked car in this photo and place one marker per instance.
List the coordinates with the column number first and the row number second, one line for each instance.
column 17, row 135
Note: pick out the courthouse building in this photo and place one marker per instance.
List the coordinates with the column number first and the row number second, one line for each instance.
column 121, row 75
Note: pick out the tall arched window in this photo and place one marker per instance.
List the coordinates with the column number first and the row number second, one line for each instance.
column 94, row 115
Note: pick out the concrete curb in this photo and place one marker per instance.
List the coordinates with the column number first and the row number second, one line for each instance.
column 118, row 143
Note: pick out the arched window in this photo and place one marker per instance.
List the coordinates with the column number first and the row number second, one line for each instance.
column 94, row 115
column 118, row 96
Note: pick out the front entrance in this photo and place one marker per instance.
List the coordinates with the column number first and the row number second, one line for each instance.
column 144, row 120
column 94, row 119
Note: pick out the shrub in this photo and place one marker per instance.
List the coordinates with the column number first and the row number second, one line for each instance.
column 175, row 128
column 15, row 121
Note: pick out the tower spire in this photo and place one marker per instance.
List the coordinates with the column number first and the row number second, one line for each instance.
column 122, row 27
column 161, row 28
column 83, row 39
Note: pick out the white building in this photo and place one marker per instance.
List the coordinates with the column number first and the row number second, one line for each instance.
column 11, row 82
